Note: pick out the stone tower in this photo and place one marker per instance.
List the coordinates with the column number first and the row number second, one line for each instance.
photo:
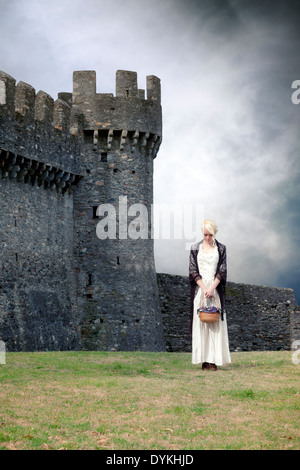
column 63, row 163
column 117, row 287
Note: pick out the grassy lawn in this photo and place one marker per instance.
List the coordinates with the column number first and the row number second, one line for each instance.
column 154, row 401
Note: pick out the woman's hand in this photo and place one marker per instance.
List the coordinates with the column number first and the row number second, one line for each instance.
column 209, row 292
column 202, row 286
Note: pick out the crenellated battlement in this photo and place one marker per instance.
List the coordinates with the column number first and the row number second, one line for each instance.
column 37, row 128
column 101, row 109
column 35, row 125
column 127, row 114
column 21, row 102
column 84, row 83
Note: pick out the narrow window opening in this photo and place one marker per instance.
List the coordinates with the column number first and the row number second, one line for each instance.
column 17, row 258
column 95, row 216
column 104, row 157
column 118, row 260
column 127, row 93
column 89, row 291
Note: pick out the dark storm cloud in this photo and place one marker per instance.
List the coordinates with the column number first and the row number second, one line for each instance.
column 231, row 132
column 247, row 145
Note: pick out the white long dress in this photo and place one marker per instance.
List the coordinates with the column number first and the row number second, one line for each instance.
column 209, row 340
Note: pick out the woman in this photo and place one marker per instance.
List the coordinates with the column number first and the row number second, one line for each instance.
column 207, row 273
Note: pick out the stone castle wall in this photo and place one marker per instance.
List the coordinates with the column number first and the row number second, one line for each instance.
column 38, row 173
column 258, row 317
column 37, row 305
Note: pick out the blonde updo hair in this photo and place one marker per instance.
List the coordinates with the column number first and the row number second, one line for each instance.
column 211, row 226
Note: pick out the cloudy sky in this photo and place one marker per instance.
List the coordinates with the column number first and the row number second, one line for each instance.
column 230, row 130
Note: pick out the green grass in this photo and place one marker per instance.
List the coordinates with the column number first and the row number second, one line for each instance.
column 154, row 401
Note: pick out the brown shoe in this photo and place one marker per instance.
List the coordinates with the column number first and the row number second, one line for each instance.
column 213, row 367
column 205, row 366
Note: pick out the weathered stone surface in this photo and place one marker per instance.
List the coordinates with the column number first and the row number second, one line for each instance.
column 258, row 317
column 61, row 287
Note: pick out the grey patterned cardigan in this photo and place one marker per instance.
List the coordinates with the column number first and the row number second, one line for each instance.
column 195, row 275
